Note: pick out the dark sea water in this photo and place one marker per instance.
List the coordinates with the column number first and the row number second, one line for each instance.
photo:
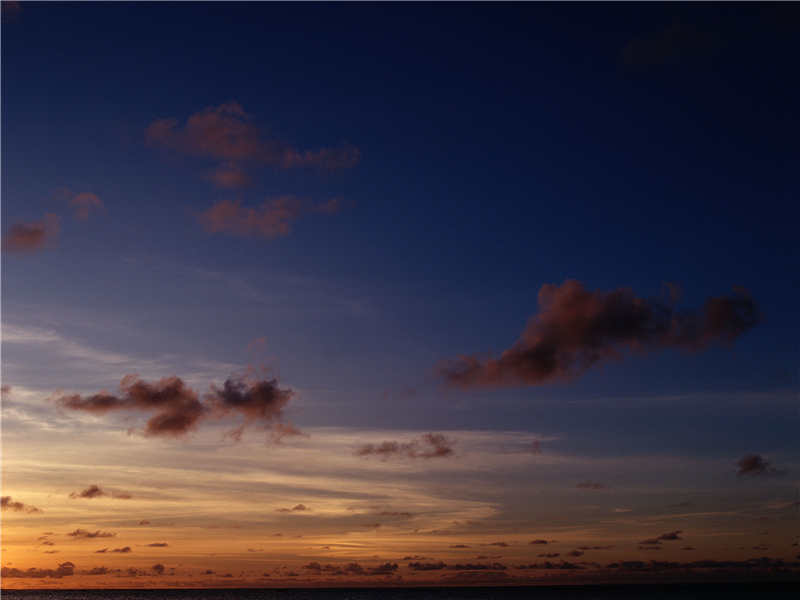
column 747, row 591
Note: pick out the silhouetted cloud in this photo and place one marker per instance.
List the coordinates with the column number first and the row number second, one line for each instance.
column 11, row 11
column 576, row 329
column 267, row 221
column 158, row 545
column 6, row 503
column 432, row 445
column 671, row 536
column 64, row 569
column 297, row 508
column 755, row 464
column 124, row 550
column 229, row 136
column 84, row 534
column 179, row 410
column 92, row 491
column 31, row 236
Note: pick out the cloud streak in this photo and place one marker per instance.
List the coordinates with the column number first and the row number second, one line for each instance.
column 432, row 445
column 177, row 409
column 267, row 221
column 755, row 464
column 6, row 503
column 576, row 329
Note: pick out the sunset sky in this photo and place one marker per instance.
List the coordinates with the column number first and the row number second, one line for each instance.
column 333, row 294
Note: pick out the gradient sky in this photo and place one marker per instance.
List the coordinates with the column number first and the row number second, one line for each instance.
column 387, row 294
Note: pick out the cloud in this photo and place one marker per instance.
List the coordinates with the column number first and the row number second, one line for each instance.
column 31, row 236
column 83, row 203
column 87, row 535
column 576, row 329
column 755, row 464
column 91, row 492
column 124, row 550
column 158, row 545
column 229, row 136
column 432, row 445
column 178, row 409
column 64, row 570
column 592, row 485
column 671, row 536
column 11, row 11
column 6, row 503
column 267, row 221
column 297, row 508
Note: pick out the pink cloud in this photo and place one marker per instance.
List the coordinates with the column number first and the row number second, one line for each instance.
column 83, row 203
column 271, row 219
column 6, row 503
column 227, row 134
column 31, row 236
column 576, row 329
column 432, row 445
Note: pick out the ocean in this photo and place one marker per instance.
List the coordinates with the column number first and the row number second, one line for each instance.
column 746, row 591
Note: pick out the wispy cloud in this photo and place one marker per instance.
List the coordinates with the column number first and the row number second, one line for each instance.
column 576, row 329
column 269, row 220
column 83, row 534
column 431, row 445
column 32, row 236
column 227, row 135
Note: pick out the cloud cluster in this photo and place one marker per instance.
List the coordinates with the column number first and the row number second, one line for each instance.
column 6, row 503
column 228, row 136
column 432, row 445
column 271, row 219
column 94, row 491
column 177, row 409
column 576, row 329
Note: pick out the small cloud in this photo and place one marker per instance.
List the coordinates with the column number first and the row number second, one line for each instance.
column 537, row 542
column 11, row 11
column 92, row 491
column 592, row 485
column 31, row 236
column 432, row 445
column 755, row 464
column 158, row 545
column 64, row 569
column 297, row 508
column 84, row 534
column 6, row 503
column 267, row 221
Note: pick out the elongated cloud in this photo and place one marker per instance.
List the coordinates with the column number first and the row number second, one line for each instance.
column 64, row 570
column 178, row 410
column 432, row 445
column 576, row 329
column 83, row 534
column 267, row 221
column 6, row 503
column 228, row 135
column 92, row 491
column 31, row 236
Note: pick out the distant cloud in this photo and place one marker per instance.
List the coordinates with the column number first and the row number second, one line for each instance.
column 271, row 219
column 158, row 545
column 64, row 569
column 11, row 11
column 671, row 536
column 755, row 464
column 178, row 409
column 576, row 329
column 297, row 508
column 92, row 491
column 125, row 550
column 537, row 542
column 229, row 136
column 6, row 503
column 31, row 236
column 432, row 445
column 84, row 534
column 592, row 485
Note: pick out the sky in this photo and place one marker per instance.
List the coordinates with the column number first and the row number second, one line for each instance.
column 381, row 294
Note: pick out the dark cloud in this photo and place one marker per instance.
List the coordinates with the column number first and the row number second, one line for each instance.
column 31, row 236
column 755, row 464
column 419, row 566
column 6, row 503
column 670, row 536
column 92, row 491
column 124, row 550
column 84, row 534
column 158, row 545
column 158, row 569
column 432, row 445
column 296, row 508
column 178, row 410
column 11, row 11
column 64, row 570
column 537, row 542
column 576, row 329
